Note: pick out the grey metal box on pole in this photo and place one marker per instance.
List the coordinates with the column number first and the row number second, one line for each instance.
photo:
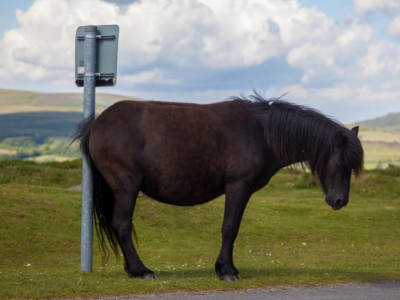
column 106, row 55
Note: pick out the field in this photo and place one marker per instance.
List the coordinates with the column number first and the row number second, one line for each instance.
column 381, row 146
column 289, row 237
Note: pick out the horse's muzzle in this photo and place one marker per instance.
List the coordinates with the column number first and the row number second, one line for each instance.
column 336, row 202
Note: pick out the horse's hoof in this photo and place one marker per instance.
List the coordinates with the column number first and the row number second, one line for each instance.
column 149, row 276
column 230, row 278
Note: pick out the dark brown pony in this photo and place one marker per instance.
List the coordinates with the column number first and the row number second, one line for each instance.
column 189, row 154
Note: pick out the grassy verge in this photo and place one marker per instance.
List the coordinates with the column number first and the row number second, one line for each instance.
column 289, row 236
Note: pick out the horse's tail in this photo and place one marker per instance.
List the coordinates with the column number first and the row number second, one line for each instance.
column 103, row 196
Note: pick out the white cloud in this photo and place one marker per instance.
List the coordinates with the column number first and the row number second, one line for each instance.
column 173, row 44
column 43, row 47
column 354, row 34
column 382, row 61
column 391, row 8
column 394, row 27
column 373, row 63
column 366, row 6
column 216, row 34
column 148, row 77
column 347, row 102
column 333, row 59
column 250, row 32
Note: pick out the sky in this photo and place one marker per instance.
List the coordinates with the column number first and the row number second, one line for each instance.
column 341, row 57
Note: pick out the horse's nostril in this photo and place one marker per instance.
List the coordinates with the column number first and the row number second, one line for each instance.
column 338, row 203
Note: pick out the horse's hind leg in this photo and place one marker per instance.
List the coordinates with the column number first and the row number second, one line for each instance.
column 236, row 200
column 125, row 200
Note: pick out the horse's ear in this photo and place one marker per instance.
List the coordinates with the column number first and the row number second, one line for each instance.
column 355, row 130
column 340, row 139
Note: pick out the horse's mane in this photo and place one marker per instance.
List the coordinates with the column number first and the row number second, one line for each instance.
column 298, row 133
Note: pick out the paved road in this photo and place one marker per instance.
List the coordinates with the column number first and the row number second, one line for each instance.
column 372, row 291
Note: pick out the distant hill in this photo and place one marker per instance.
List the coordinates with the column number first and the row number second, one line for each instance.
column 13, row 101
column 390, row 122
column 39, row 126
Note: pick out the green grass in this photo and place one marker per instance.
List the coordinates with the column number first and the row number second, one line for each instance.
column 288, row 237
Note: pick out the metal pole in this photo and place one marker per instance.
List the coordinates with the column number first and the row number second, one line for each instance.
column 87, row 180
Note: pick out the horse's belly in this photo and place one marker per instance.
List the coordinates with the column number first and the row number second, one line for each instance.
column 183, row 189
column 185, row 175
column 180, row 200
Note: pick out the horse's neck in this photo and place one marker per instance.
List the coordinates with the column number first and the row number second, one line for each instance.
column 302, row 148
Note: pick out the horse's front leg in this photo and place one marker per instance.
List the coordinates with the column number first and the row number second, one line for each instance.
column 236, row 198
